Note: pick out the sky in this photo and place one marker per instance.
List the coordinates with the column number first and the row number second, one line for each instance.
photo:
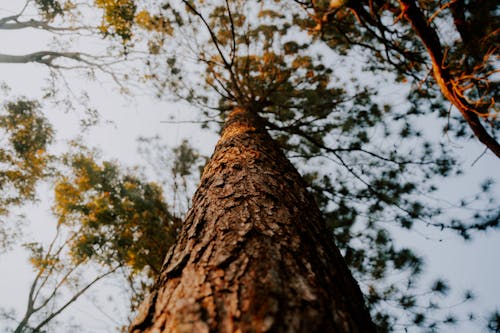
column 468, row 265
column 122, row 120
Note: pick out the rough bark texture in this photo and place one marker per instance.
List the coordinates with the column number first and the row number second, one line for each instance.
column 254, row 254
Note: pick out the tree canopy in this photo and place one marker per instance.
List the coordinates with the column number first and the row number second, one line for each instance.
column 454, row 41
column 316, row 71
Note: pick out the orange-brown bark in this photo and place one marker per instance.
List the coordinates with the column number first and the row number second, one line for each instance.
column 253, row 254
column 449, row 87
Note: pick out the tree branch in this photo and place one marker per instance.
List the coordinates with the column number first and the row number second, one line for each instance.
column 444, row 79
column 12, row 23
column 227, row 64
column 73, row 299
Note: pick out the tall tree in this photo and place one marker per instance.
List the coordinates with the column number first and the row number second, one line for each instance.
column 253, row 253
column 255, row 60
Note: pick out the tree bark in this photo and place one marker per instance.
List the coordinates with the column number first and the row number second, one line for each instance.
column 254, row 254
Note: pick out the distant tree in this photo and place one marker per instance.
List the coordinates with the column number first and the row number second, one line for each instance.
column 24, row 161
column 87, row 22
column 26, row 135
column 110, row 222
column 177, row 170
column 107, row 222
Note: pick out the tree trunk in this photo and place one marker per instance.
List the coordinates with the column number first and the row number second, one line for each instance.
column 254, row 254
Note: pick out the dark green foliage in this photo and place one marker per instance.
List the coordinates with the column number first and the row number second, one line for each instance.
column 50, row 8
column 29, row 130
column 442, row 287
column 185, row 158
column 178, row 170
column 494, row 322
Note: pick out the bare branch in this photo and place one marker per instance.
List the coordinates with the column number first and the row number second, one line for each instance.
column 12, row 23
column 74, row 298
column 227, row 64
column 233, row 35
column 297, row 131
